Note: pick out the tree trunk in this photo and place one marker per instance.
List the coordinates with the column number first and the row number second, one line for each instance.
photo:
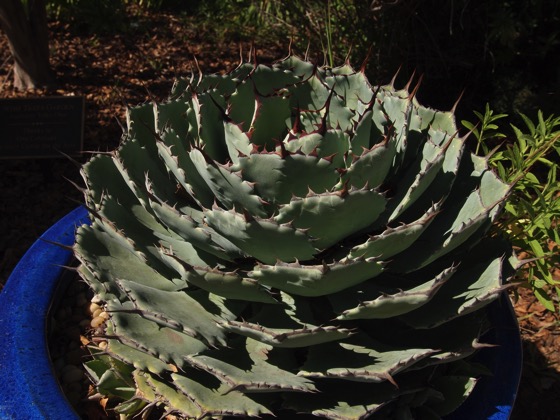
column 27, row 32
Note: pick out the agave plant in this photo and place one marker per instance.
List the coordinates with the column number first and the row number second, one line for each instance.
column 290, row 239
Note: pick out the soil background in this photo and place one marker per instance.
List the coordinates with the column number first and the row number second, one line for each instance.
column 112, row 71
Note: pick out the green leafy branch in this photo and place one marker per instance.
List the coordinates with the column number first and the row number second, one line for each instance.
column 529, row 160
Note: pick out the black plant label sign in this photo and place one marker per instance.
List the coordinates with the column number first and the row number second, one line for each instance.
column 46, row 127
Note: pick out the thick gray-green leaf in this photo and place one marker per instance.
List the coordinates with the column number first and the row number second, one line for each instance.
column 290, row 323
column 168, row 345
column 371, row 166
column 103, row 178
column 173, row 399
column 361, row 360
column 237, row 142
column 194, row 315
column 228, row 188
column 418, row 178
column 179, row 163
column 471, row 289
column 196, row 233
column 173, row 115
column 462, row 220
column 137, row 165
column 262, row 239
column 331, row 217
column 242, row 105
column 302, row 69
column 455, row 390
column 211, row 108
column 111, row 257
column 344, row 400
column 270, row 79
column 332, row 145
column 141, row 123
column 217, row 400
column 352, row 86
column 389, row 305
column 393, row 241
column 277, row 179
column 317, row 280
column 271, row 122
column 132, row 356
column 287, row 338
column 230, row 285
column 246, row 368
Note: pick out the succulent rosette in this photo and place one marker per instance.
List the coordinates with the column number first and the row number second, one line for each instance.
column 290, row 239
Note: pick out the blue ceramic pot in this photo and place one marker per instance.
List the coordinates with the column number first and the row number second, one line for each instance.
column 28, row 386
column 29, row 389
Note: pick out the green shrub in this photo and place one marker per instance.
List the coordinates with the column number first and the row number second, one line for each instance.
column 529, row 158
column 95, row 16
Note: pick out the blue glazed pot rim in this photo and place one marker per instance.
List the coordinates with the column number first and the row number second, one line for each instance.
column 493, row 397
column 28, row 387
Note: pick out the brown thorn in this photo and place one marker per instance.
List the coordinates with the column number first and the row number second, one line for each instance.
column 390, row 378
column 58, row 244
column 407, row 86
column 306, row 56
column 71, row 159
column 366, row 60
column 415, row 90
column 75, row 185
column 348, row 54
column 225, row 116
column 283, row 152
column 394, row 79
column 254, row 56
column 344, row 191
column 241, row 61
column 454, row 108
column 296, row 127
column 148, row 92
column 123, row 128
column 323, row 128
column 290, row 46
column 247, row 216
column 199, row 69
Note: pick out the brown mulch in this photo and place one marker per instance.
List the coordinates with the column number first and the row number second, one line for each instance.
column 110, row 71
column 114, row 70
column 539, row 392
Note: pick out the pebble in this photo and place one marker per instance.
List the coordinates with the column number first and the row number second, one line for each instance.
column 74, row 397
column 59, row 363
column 67, row 342
column 97, row 321
column 61, row 314
column 96, row 299
column 73, row 332
column 66, row 368
column 76, row 318
column 93, row 307
column 74, row 356
column 81, row 299
column 74, row 375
